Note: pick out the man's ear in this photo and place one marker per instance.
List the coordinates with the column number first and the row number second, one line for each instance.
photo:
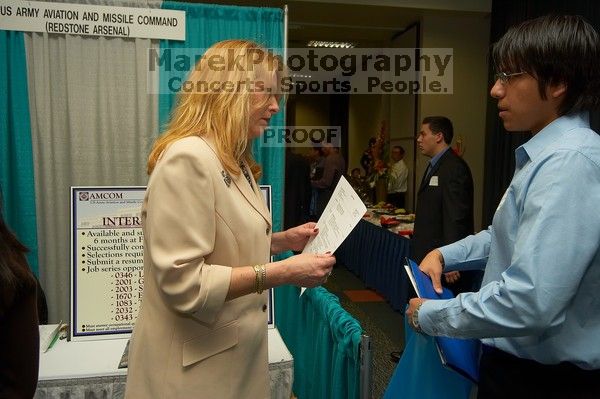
column 557, row 90
column 439, row 137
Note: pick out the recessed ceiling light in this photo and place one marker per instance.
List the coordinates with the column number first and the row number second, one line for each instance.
column 321, row 43
column 300, row 76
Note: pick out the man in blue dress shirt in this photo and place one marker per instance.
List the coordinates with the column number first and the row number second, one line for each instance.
column 538, row 310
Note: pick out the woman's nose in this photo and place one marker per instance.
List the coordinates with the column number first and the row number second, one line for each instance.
column 273, row 105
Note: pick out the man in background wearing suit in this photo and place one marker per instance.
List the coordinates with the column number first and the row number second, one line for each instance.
column 444, row 211
column 334, row 167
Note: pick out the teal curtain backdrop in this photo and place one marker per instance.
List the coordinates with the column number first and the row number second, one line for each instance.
column 16, row 157
column 324, row 340
column 207, row 24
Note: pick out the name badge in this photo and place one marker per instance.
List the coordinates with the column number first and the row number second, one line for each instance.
column 433, row 181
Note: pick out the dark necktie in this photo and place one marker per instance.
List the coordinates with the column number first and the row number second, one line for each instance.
column 426, row 174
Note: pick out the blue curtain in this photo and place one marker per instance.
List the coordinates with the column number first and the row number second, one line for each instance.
column 16, row 157
column 376, row 256
column 207, row 24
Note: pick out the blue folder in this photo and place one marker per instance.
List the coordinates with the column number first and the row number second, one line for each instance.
column 460, row 355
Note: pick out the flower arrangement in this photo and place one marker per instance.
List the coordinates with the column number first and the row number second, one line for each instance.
column 378, row 152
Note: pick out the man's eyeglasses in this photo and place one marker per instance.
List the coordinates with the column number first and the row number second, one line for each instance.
column 504, row 77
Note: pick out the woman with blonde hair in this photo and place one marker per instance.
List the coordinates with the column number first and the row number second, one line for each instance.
column 202, row 326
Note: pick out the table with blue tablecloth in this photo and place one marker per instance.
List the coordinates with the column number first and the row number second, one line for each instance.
column 376, row 256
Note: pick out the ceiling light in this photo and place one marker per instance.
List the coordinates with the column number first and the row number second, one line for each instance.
column 321, row 43
column 300, row 76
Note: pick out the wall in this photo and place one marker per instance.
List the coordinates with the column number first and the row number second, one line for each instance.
column 468, row 35
column 311, row 110
column 402, row 120
column 365, row 116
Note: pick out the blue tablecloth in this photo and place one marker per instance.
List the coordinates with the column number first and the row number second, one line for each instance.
column 420, row 374
column 376, row 256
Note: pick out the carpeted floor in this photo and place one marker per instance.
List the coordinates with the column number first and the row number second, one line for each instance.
column 377, row 318
column 363, row 296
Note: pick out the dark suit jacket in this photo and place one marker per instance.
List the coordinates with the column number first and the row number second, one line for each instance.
column 297, row 190
column 444, row 212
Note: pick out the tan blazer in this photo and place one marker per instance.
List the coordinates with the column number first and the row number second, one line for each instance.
column 187, row 341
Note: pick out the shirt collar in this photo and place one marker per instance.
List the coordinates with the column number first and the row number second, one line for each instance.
column 549, row 134
column 434, row 160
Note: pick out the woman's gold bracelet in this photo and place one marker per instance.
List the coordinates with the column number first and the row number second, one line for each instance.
column 260, row 274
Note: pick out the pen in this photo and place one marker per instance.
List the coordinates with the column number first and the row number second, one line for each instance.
column 54, row 337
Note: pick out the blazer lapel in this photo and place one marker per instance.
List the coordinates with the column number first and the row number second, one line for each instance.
column 254, row 197
column 425, row 179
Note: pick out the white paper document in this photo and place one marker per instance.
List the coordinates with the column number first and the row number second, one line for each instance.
column 343, row 211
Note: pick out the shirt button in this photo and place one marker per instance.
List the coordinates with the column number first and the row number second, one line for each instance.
column 268, row 230
column 264, row 308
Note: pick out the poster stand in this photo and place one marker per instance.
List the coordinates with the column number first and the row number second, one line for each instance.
column 107, row 261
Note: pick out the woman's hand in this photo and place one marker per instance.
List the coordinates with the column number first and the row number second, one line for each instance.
column 306, row 270
column 298, row 236
column 309, row 270
column 293, row 239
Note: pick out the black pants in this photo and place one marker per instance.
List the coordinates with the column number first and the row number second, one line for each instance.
column 504, row 376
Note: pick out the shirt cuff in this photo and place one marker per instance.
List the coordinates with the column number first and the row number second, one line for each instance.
column 430, row 314
column 452, row 255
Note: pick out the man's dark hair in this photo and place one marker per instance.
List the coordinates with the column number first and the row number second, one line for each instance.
column 555, row 49
column 400, row 148
column 440, row 124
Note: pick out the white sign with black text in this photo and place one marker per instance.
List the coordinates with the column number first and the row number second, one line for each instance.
column 107, row 265
column 92, row 20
